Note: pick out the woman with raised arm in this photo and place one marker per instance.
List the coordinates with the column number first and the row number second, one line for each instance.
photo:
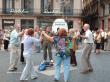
column 28, row 42
column 62, row 53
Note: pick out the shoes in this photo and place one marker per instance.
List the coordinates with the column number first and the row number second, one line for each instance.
column 26, row 80
column 23, row 62
column 66, row 81
column 74, row 65
column 13, row 69
column 51, row 61
column 84, row 72
column 56, row 80
column 90, row 70
column 38, row 52
column 34, row 78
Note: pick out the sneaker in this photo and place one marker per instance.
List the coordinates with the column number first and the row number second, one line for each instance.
column 13, row 69
column 37, row 51
column 26, row 80
column 65, row 81
column 90, row 70
column 34, row 78
column 73, row 65
column 84, row 72
column 56, row 80
column 51, row 61
column 23, row 62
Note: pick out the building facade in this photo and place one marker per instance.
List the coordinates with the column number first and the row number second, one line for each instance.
column 30, row 13
column 97, row 13
column 90, row 13
column 104, row 13
column 21, row 12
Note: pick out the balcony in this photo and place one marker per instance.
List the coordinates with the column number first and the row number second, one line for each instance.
column 59, row 12
column 104, row 1
column 91, row 9
column 40, row 12
column 28, row 12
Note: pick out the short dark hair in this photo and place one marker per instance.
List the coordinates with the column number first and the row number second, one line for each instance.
column 45, row 27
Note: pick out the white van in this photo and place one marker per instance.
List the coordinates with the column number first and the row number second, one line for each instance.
column 59, row 23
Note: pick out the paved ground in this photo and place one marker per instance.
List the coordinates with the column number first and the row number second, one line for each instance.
column 100, row 63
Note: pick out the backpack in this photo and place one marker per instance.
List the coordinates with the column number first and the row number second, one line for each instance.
column 42, row 67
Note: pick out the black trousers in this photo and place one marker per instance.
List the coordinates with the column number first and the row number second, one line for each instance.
column 102, row 43
column 73, row 57
column 6, row 43
column 22, row 49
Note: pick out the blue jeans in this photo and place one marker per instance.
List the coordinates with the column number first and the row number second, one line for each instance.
column 58, row 61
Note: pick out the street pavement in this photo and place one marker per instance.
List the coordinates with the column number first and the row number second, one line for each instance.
column 100, row 62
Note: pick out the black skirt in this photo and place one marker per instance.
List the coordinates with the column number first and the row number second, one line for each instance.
column 97, row 45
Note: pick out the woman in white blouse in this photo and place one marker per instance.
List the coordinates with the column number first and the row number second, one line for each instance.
column 28, row 42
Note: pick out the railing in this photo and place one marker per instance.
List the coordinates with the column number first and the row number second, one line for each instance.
column 55, row 12
column 103, row 1
column 91, row 9
column 64, row 12
column 18, row 11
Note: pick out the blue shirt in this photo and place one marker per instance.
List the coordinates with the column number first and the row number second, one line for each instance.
column 28, row 42
column 14, row 38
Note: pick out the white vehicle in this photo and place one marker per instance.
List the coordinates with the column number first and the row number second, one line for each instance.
column 59, row 23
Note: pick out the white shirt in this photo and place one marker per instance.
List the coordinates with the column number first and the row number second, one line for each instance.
column 23, row 38
column 105, row 35
column 102, row 34
column 28, row 42
column 89, row 36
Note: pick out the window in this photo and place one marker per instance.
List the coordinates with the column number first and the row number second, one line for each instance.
column 46, row 6
column 103, row 10
column 27, row 23
column 8, row 5
column 109, row 8
column 66, row 6
column 27, row 5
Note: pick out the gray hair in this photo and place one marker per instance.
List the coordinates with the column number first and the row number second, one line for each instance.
column 87, row 25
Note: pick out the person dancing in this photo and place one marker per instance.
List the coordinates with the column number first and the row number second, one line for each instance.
column 28, row 42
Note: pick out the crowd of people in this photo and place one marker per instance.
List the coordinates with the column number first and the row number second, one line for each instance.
column 101, row 40
column 65, row 43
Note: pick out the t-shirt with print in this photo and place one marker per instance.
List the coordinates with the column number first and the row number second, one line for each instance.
column 62, row 44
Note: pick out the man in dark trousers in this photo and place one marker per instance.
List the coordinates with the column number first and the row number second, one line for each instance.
column 47, row 45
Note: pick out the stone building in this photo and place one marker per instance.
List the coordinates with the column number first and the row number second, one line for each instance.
column 97, row 13
column 30, row 13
